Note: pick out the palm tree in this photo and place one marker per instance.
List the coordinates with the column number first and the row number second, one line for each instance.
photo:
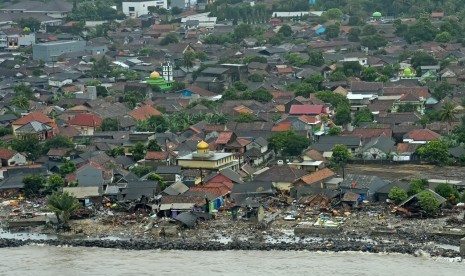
column 62, row 204
column 447, row 114
column 21, row 101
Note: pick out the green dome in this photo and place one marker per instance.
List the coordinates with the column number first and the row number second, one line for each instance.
column 407, row 71
column 376, row 14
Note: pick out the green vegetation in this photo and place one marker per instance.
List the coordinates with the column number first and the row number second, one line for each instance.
column 288, row 143
column 417, row 185
column 397, row 195
column 435, row 152
column 63, row 205
column 340, row 157
column 428, row 202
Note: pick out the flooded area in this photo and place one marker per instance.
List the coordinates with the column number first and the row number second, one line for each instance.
column 49, row 260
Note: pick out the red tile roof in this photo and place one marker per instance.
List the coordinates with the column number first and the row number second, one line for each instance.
column 6, row 154
column 224, row 137
column 308, row 120
column 85, row 119
column 144, row 112
column 422, row 135
column 216, row 189
column 306, row 109
column 285, row 70
column 33, row 116
column 283, row 126
column 156, row 155
column 317, row 176
column 368, row 133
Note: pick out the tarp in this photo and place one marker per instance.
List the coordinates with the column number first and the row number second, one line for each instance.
column 187, row 218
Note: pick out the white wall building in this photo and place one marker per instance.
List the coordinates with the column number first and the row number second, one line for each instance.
column 136, row 9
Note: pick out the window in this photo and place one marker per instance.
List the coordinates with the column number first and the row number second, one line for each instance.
column 131, row 9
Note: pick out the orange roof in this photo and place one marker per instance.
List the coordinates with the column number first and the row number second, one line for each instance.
column 85, row 119
column 283, row 126
column 34, row 116
column 144, row 112
column 216, row 189
column 422, row 135
column 285, row 70
column 224, row 137
column 308, row 119
column 6, row 154
column 243, row 109
column 317, row 176
column 156, row 155
column 243, row 141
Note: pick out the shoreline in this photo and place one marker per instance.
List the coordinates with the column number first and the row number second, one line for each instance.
column 325, row 245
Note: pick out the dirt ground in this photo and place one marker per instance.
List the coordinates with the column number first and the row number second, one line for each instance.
column 399, row 172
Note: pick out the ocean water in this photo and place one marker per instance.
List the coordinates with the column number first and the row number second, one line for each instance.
column 49, row 260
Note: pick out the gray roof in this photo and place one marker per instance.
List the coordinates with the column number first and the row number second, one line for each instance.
column 401, row 185
column 382, row 143
column 215, row 70
column 187, row 218
column 40, row 6
column 137, row 189
column 168, row 170
column 281, row 174
column 13, row 182
column 176, row 189
column 33, row 127
column 234, row 176
column 253, row 187
column 437, row 196
column 326, row 143
column 457, row 151
column 370, row 182
column 261, row 141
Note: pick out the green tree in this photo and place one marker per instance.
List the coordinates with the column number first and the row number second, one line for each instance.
column 340, row 157
column 118, row 151
column 397, row 195
column 153, row 145
column 369, row 74
column 373, row 41
column 188, row 59
column 333, row 13
column 423, row 30
column 363, row 115
column 288, row 143
column 33, row 184
column 20, row 101
column 369, row 30
column 420, row 58
column 446, row 191
column 67, row 168
column 138, row 151
column 156, row 177
column 141, row 170
column 285, row 30
column 428, row 202
column 109, row 124
column 332, row 98
column 170, row 38
column 447, row 114
column 101, row 67
column 57, row 141
column 351, row 68
column 316, row 80
column 304, row 90
column 343, row 115
column 240, row 86
column 332, row 31
column 245, row 117
column 178, row 86
column 435, row 152
column 443, row 37
column 261, row 95
column 354, row 34
column 417, row 185
column 54, row 182
column 63, row 205
column 334, row 131
column 28, row 144
column 29, row 22
column 315, row 57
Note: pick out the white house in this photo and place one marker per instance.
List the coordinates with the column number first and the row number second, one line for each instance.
column 11, row 158
column 136, row 9
column 204, row 21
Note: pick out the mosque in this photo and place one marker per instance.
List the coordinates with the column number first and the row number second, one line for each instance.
column 164, row 81
column 205, row 159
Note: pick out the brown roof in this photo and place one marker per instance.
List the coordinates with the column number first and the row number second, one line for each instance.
column 283, row 126
column 422, row 135
column 200, row 91
column 406, row 147
column 317, row 176
column 6, row 154
column 57, row 152
column 281, row 174
column 357, row 86
column 156, row 155
column 143, row 113
column 33, row 116
column 315, row 155
column 419, row 90
column 368, row 133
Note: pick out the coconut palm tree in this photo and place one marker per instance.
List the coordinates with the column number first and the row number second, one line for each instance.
column 20, row 101
column 63, row 205
column 447, row 114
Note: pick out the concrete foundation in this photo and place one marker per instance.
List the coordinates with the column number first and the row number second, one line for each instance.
column 462, row 248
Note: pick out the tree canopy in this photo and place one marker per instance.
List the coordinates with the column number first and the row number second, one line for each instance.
column 288, row 143
column 435, row 152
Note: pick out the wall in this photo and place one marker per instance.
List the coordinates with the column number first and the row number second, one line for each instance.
column 17, row 159
column 51, row 50
column 136, row 9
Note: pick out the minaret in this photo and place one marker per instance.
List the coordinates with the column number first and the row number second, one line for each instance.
column 167, row 68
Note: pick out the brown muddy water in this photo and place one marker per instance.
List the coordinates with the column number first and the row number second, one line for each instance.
column 69, row 261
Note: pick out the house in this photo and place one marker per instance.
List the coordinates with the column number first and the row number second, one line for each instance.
column 144, row 112
column 256, row 152
column 404, row 152
column 383, row 193
column 252, row 189
column 362, row 87
column 309, row 110
column 89, row 175
column 281, row 176
column 225, row 176
column 309, row 123
column 135, row 9
column 366, row 186
column 138, row 190
column 420, row 136
column 317, row 179
column 176, row 188
column 11, row 158
column 85, row 193
column 86, row 123
column 159, row 158
column 50, row 51
column 170, row 174
column 377, row 149
column 41, row 130
column 409, row 102
column 33, row 117
column 326, row 143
